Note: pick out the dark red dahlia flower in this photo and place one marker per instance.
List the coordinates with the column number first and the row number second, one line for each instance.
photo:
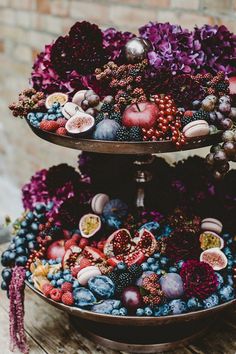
column 61, row 55
column 199, row 279
column 86, row 32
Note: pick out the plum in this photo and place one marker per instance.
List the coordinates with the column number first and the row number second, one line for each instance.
column 102, row 286
column 83, row 297
column 172, row 285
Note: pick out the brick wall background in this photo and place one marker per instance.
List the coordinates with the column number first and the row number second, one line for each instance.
column 26, row 25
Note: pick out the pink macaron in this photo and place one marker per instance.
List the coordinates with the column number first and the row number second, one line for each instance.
column 98, row 202
column 196, row 128
column 211, row 224
column 86, row 273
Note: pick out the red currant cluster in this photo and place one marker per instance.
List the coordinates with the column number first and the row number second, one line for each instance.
column 43, row 239
column 168, row 122
column 125, row 82
column 154, row 293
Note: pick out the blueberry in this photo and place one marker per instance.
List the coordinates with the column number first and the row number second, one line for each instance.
column 154, row 267
column 226, row 293
column 178, row 306
column 21, row 260
column 58, row 260
column 211, row 301
column 157, row 255
column 172, row 270
column 150, row 260
column 115, row 312
column 34, row 226
column 75, row 284
column 121, row 266
column 105, row 307
column 40, row 208
column 42, row 218
column 180, row 264
column 24, row 223
column 21, row 251
column 57, row 276
column 19, row 241
column 12, row 247
column 32, row 245
column 51, row 117
column 30, row 237
column 123, row 311
column 164, row 261
column 68, row 277
column 30, row 280
column 194, row 304
column 12, row 257
column 56, row 105
column 66, row 271
column 30, row 216
column 60, row 282
column 28, row 274
column 165, row 309
column 230, row 280
column 5, row 258
column 50, row 110
column 226, row 236
column 145, row 266
column 140, row 312
column 115, row 303
column 50, row 276
column 159, row 271
column 6, row 275
column 3, row 285
column 54, row 283
column 39, row 115
column 220, row 280
column 148, row 311
column 59, row 115
column 22, row 232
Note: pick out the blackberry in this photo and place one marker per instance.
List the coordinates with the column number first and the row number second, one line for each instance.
column 116, row 116
column 135, row 134
column 134, row 72
column 125, row 279
column 201, row 115
column 136, row 271
column 107, row 108
column 122, row 134
column 114, row 277
column 222, row 86
column 186, row 120
column 99, row 117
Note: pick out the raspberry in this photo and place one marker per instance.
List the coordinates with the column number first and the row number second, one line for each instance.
column 74, row 271
column 49, row 125
column 46, row 289
column 61, row 122
column 66, row 287
column 188, row 113
column 56, row 294
column 61, row 131
column 69, row 243
column 67, row 298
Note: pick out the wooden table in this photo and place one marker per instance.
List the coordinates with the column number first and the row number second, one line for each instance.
column 49, row 332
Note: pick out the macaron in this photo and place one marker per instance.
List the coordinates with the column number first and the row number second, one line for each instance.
column 98, row 202
column 196, row 128
column 79, row 97
column 85, row 274
column 70, row 109
column 211, row 224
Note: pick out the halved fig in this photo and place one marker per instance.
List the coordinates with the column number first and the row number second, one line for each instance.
column 89, row 225
column 55, row 97
column 210, row 239
column 80, row 124
column 215, row 258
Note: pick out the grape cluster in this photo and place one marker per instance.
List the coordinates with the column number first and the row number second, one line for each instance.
column 29, row 101
column 125, row 82
column 168, row 122
column 52, row 114
column 220, row 154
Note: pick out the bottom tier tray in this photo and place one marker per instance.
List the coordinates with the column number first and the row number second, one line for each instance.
column 141, row 334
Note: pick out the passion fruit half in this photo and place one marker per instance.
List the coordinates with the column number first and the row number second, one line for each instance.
column 55, row 97
column 89, row 225
column 215, row 258
column 80, row 124
column 210, row 239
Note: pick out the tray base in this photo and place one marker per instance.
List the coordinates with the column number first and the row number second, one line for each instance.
column 153, row 339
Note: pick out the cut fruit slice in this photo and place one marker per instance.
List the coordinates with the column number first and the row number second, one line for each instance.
column 80, row 124
column 210, row 239
column 55, row 97
column 215, row 258
column 89, row 225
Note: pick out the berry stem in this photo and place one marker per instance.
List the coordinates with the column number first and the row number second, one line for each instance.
column 137, row 106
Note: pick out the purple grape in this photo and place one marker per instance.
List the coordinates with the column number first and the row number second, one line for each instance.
column 210, row 159
column 220, row 157
column 226, row 123
column 172, row 285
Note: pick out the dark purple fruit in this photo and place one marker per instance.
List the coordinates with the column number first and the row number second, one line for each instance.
column 224, row 168
column 229, row 148
column 93, row 100
column 6, row 275
column 228, row 135
column 220, row 157
column 196, row 105
column 84, row 105
column 210, row 159
column 212, row 117
column 218, row 175
column 131, row 299
column 215, row 148
column 226, row 124
column 3, row 285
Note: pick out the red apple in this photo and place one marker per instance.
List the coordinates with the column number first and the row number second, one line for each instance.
column 143, row 114
column 56, row 249
column 131, row 299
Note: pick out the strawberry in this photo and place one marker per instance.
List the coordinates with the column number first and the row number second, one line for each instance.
column 56, row 294
column 67, row 298
column 46, row 289
column 61, row 131
column 83, row 242
column 48, row 125
column 66, row 287
column 69, row 243
column 61, row 122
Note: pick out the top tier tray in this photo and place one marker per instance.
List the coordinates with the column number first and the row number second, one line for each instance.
column 127, row 148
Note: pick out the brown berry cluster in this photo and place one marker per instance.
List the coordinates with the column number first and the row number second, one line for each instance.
column 168, row 122
column 44, row 238
column 125, row 82
column 154, row 294
column 29, row 101
column 215, row 85
column 183, row 223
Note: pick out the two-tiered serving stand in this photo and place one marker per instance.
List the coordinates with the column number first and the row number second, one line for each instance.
column 132, row 333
